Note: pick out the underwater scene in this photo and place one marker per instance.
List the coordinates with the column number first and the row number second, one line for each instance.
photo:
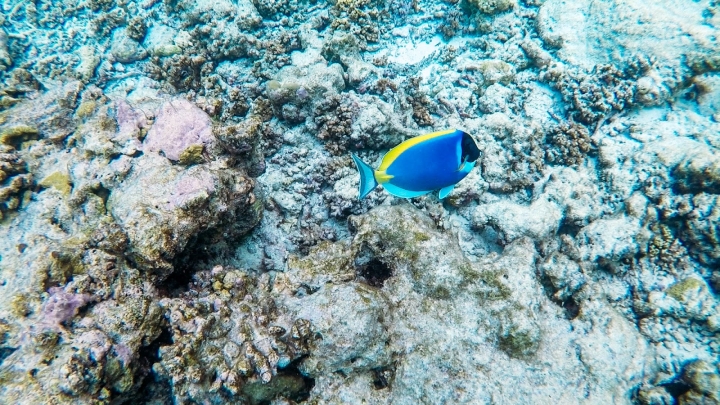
column 401, row 202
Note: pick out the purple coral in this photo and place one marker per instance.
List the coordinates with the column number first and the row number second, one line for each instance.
column 179, row 124
column 62, row 306
column 130, row 121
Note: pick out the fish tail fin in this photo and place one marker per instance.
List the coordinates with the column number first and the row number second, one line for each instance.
column 367, row 176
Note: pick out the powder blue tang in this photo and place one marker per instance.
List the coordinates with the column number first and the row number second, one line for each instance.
column 435, row 161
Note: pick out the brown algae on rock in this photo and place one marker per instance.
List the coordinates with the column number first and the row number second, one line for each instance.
column 59, row 181
column 18, row 134
column 192, row 154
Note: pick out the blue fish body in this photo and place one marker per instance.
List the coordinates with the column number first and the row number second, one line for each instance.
column 422, row 164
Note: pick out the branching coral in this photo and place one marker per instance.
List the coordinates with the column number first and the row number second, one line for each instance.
column 571, row 144
column 334, row 117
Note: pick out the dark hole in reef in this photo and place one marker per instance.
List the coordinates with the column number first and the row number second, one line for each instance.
column 152, row 390
column 370, row 269
column 178, row 281
column 103, row 193
column 569, row 229
column 299, row 393
column 5, row 352
column 676, row 388
column 151, row 353
column 572, row 309
column 374, row 272
column 383, row 376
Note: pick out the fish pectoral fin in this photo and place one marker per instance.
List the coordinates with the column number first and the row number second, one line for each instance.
column 382, row 177
column 465, row 167
column 445, row 191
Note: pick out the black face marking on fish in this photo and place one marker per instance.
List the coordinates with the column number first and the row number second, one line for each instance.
column 470, row 151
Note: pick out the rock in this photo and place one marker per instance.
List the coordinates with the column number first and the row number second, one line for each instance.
column 589, row 34
column 89, row 61
column 49, row 115
column 512, row 221
column 404, row 284
column 358, row 343
column 495, row 99
column 159, row 41
column 164, row 207
column 654, row 396
column 704, row 379
column 179, row 125
column 319, row 80
column 612, row 240
column 126, row 49
column 492, row 71
column 5, row 59
column 702, row 229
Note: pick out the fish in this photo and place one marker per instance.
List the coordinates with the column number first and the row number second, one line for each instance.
column 420, row 165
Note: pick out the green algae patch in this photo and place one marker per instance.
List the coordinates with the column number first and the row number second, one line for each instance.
column 680, row 289
column 18, row 134
column 59, row 181
column 192, row 154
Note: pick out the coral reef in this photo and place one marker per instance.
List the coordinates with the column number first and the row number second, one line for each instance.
column 180, row 217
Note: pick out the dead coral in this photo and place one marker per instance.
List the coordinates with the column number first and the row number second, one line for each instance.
column 228, row 337
column 595, row 95
column 451, row 24
column 50, row 115
column 106, row 22
column 419, row 102
column 334, row 117
column 183, row 72
column 278, row 48
column 701, row 230
column 137, row 28
column 271, row 8
column 570, row 144
column 359, row 17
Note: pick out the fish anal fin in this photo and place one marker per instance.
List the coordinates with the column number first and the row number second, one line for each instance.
column 445, row 191
column 401, row 192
